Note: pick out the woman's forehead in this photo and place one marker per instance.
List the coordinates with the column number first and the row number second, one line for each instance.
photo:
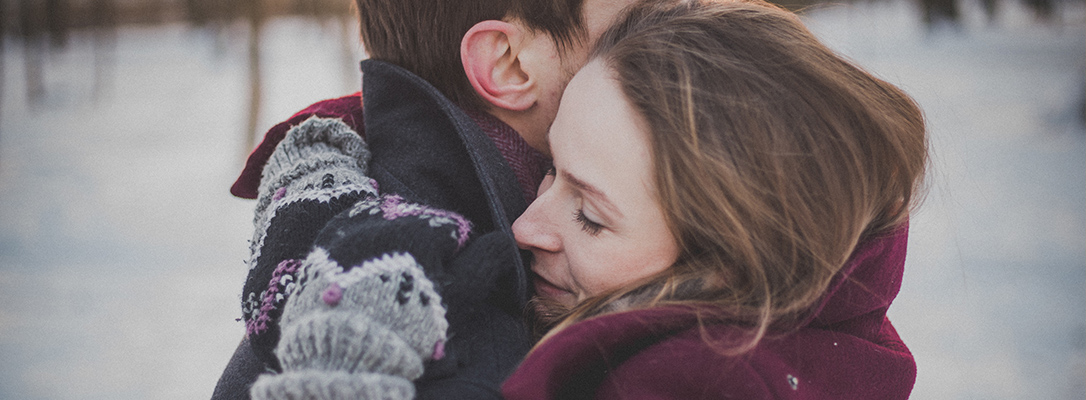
column 598, row 138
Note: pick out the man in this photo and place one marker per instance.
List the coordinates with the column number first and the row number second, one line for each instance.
column 502, row 66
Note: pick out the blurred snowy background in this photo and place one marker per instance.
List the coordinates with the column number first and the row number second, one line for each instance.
column 121, row 250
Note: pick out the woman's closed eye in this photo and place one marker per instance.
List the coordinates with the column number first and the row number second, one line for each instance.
column 590, row 227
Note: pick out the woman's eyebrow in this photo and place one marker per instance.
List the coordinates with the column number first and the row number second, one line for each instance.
column 594, row 192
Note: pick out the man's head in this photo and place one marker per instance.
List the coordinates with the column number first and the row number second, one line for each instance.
column 518, row 55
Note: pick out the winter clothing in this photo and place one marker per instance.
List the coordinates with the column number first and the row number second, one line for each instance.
column 314, row 174
column 528, row 164
column 846, row 348
column 427, row 151
column 347, row 109
column 361, row 332
column 361, row 302
column 363, row 317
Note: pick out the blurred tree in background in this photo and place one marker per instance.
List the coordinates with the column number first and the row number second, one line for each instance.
column 42, row 26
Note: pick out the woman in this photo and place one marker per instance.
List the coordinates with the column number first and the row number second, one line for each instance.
column 726, row 216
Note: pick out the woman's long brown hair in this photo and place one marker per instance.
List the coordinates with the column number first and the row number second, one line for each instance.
column 773, row 158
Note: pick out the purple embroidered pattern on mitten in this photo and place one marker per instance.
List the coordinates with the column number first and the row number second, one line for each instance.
column 279, row 287
column 394, row 207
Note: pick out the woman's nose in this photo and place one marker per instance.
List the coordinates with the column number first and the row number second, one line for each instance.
column 535, row 229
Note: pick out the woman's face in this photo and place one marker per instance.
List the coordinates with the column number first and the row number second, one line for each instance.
column 597, row 223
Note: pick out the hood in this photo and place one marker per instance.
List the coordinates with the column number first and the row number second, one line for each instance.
column 649, row 352
column 868, row 283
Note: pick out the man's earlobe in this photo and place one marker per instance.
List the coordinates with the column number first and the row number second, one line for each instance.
column 489, row 52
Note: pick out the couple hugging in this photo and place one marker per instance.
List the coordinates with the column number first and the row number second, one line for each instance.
column 561, row 199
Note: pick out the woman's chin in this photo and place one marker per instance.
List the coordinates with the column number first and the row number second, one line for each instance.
column 554, row 294
column 547, row 312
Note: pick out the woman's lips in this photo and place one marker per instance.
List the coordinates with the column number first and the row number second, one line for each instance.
column 545, row 288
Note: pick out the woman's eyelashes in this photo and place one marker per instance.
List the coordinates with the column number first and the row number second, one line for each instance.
column 590, row 227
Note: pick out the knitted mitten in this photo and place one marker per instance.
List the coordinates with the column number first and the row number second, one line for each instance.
column 356, row 333
column 317, row 171
column 307, row 155
column 485, row 342
column 376, row 226
column 372, row 228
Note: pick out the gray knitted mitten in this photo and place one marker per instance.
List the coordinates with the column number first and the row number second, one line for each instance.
column 360, row 333
column 331, row 385
column 317, row 171
column 320, row 153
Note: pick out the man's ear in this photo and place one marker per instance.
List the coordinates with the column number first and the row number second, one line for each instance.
column 490, row 54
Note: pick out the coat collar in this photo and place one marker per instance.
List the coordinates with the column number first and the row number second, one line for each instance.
column 428, row 150
column 852, row 312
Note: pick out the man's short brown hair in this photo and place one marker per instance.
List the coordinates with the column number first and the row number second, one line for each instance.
column 424, row 36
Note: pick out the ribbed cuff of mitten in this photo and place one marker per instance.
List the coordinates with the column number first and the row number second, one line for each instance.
column 347, row 341
column 331, row 385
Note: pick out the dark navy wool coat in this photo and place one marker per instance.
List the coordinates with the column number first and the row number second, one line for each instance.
column 427, row 150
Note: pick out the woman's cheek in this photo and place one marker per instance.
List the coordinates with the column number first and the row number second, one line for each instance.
column 594, row 272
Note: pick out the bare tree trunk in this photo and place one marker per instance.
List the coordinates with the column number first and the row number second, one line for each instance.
column 3, row 37
column 105, row 42
column 31, row 27
column 256, row 22
column 57, row 22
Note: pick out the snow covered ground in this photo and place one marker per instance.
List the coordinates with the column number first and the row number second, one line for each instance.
column 121, row 252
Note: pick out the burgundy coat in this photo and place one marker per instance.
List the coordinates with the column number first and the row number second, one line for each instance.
column 847, row 349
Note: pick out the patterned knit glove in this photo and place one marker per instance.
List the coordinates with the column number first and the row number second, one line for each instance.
column 356, row 333
column 316, row 172
column 485, row 342
column 377, row 226
column 310, row 153
column 364, row 311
